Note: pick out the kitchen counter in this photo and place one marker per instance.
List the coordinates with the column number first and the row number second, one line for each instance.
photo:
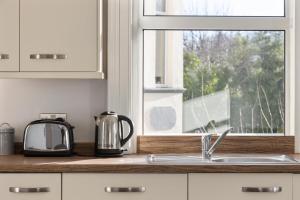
column 131, row 164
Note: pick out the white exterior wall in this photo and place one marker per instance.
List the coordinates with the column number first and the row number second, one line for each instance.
column 174, row 55
column 173, row 79
column 149, row 59
column 166, row 102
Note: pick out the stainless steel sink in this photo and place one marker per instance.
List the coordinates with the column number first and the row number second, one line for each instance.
column 173, row 159
column 234, row 159
column 255, row 159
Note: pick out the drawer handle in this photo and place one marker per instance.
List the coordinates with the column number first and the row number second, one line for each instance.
column 124, row 189
column 4, row 56
column 48, row 56
column 262, row 189
column 29, row 190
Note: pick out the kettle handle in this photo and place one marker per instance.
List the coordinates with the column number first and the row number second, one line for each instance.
column 126, row 119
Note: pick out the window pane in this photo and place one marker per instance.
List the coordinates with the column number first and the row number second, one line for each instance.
column 231, row 78
column 215, row 7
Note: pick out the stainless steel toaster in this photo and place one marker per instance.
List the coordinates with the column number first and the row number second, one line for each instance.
column 48, row 137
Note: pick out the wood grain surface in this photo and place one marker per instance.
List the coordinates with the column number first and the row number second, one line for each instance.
column 159, row 144
column 130, row 164
column 231, row 144
column 192, row 144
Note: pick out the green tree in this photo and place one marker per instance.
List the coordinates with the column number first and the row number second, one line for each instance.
column 250, row 64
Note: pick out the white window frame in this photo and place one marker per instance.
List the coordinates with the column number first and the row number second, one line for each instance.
column 126, row 23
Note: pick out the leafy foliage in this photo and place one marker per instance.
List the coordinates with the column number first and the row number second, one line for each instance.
column 248, row 63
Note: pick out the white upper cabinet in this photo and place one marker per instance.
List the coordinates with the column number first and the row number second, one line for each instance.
column 51, row 39
column 58, row 35
column 9, row 35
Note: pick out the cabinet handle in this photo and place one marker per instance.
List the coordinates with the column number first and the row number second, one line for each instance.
column 48, row 56
column 262, row 189
column 29, row 190
column 124, row 189
column 4, row 56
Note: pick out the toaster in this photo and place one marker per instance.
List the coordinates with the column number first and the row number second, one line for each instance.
column 48, row 137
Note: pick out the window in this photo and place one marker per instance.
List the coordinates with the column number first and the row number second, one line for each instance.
column 160, row 57
column 160, row 7
column 217, row 64
column 215, row 7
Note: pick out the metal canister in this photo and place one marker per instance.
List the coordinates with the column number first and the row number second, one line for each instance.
column 7, row 136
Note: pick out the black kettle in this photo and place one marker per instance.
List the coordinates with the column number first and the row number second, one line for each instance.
column 109, row 134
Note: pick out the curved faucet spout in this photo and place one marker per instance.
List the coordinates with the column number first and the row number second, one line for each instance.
column 207, row 148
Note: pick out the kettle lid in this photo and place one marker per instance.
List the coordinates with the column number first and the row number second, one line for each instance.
column 109, row 113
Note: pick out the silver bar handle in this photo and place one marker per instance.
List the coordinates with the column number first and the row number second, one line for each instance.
column 29, row 190
column 4, row 56
column 48, row 56
column 262, row 189
column 124, row 189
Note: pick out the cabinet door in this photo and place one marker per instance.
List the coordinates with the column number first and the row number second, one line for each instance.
column 230, row 186
column 59, row 35
column 125, row 186
column 296, row 186
column 9, row 35
column 30, row 186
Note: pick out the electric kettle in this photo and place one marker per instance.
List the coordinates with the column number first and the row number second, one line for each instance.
column 109, row 136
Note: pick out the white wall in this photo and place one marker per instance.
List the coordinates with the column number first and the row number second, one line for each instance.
column 21, row 101
column 297, row 80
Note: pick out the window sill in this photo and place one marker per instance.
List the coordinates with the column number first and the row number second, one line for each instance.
column 164, row 90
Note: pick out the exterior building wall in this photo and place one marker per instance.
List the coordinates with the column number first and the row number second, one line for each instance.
column 163, row 111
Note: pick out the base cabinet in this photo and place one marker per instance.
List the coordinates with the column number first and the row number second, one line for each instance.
column 296, row 186
column 125, row 186
column 30, row 186
column 241, row 186
column 85, row 186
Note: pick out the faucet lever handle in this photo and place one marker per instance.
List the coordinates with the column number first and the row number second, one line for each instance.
column 219, row 140
column 206, row 135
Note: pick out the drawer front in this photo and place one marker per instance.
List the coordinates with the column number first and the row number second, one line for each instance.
column 30, row 186
column 125, row 186
column 240, row 186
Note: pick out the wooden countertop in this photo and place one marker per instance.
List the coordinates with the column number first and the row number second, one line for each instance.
column 130, row 164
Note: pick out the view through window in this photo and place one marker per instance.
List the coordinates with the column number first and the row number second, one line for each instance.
column 198, row 81
column 215, row 7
